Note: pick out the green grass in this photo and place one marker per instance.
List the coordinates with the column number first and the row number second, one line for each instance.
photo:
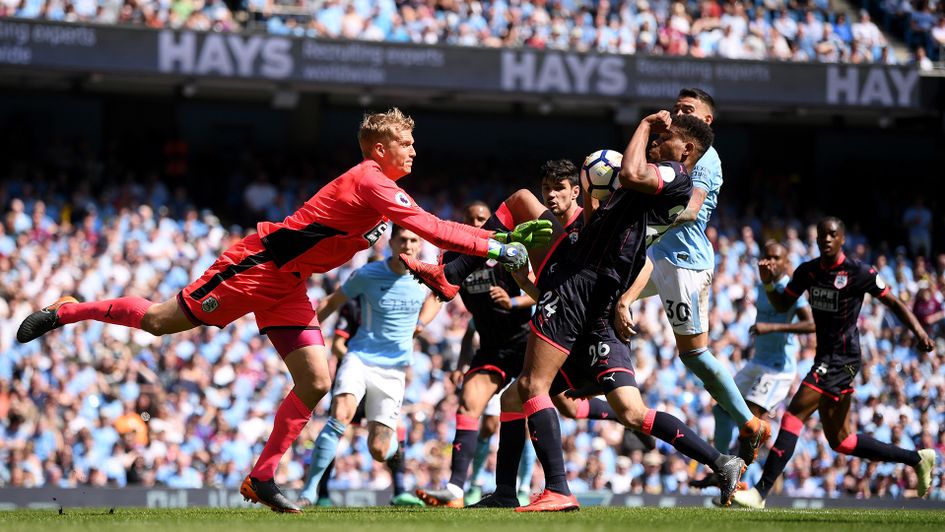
column 433, row 520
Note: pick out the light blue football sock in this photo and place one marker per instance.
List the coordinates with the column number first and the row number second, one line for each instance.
column 526, row 467
column 326, row 446
column 479, row 459
column 724, row 429
column 719, row 383
column 392, row 448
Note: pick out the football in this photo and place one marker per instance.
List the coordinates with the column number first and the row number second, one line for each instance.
column 599, row 173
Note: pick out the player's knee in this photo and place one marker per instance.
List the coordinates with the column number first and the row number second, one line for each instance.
column 510, row 399
column 467, row 409
column 529, row 387
column 321, row 385
column 378, row 451
column 153, row 323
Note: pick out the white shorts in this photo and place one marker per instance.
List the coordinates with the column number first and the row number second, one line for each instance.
column 685, row 295
column 764, row 386
column 494, row 406
column 381, row 388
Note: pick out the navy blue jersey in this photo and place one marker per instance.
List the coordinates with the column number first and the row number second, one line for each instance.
column 613, row 243
column 836, row 295
column 349, row 318
column 561, row 249
column 497, row 327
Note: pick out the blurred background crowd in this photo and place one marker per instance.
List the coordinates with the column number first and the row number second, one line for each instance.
column 785, row 30
column 102, row 405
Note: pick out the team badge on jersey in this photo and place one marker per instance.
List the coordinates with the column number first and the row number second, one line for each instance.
column 402, row 199
column 841, row 280
column 573, row 237
column 210, row 304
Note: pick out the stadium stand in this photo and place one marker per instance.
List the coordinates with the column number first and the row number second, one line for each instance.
column 99, row 405
column 819, row 31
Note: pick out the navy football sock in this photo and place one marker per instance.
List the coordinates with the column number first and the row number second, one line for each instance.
column 600, row 409
column 674, row 432
column 866, row 446
column 546, row 436
column 464, row 447
column 511, row 445
column 778, row 457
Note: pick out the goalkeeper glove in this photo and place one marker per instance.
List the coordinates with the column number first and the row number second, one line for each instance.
column 513, row 256
column 533, row 233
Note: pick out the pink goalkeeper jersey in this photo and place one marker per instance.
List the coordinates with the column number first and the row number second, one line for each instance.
column 350, row 214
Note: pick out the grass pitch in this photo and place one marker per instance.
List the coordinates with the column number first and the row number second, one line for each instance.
column 438, row 520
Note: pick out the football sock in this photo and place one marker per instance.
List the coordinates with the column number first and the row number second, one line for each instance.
column 323, row 483
column 674, row 432
column 326, row 446
column 546, row 437
column 526, row 467
column 866, row 446
column 392, row 447
column 396, row 464
column 718, row 382
column 511, row 443
column 479, row 459
column 126, row 311
column 724, row 429
column 464, row 447
column 291, row 418
column 458, row 269
column 600, row 409
column 780, row 453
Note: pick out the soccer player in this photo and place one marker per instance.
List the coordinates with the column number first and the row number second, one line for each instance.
column 346, row 327
column 683, row 266
column 265, row 274
column 374, row 367
column 766, row 379
column 581, row 300
column 502, row 322
column 836, row 285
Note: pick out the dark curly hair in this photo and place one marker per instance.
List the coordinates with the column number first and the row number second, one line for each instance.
column 694, row 130
column 557, row 170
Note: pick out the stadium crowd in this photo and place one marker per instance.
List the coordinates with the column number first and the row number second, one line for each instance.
column 103, row 405
column 763, row 29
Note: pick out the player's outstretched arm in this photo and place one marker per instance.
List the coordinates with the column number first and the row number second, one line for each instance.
column 803, row 325
column 329, row 305
column 636, row 173
column 906, row 316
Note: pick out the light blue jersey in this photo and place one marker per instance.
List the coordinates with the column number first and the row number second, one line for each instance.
column 776, row 350
column 390, row 307
column 687, row 246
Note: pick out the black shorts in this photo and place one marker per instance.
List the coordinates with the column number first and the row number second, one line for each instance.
column 833, row 379
column 599, row 359
column 505, row 362
column 574, row 303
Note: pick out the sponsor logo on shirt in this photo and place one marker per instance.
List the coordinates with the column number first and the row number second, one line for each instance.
column 376, row 233
column 480, row 281
column 826, row 299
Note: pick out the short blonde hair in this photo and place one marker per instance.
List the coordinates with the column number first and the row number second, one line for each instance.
column 382, row 127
